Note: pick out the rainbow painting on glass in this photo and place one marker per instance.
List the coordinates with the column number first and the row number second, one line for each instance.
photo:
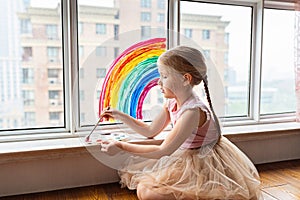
column 131, row 76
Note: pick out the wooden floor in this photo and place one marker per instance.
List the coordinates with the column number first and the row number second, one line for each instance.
column 280, row 180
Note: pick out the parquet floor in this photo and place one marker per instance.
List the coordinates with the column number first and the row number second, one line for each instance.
column 280, row 181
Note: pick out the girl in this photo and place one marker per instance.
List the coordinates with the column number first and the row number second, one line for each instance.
column 194, row 161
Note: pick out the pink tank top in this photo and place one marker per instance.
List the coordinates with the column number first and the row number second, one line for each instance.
column 206, row 134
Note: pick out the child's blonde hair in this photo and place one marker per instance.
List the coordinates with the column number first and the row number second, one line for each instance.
column 190, row 60
column 186, row 60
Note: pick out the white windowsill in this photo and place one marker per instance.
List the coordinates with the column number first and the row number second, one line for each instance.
column 258, row 128
column 73, row 144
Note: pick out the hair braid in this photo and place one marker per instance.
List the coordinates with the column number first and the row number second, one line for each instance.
column 211, row 106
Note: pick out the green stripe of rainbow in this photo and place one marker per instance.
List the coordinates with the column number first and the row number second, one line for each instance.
column 131, row 76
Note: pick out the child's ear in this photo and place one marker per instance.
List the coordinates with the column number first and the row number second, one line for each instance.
column 187, row 79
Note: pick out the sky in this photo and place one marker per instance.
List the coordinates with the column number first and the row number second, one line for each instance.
column 53, row 3
column 275, row 26
column 239, row 31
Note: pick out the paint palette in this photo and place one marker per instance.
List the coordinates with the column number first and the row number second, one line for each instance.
column 118, row 136
column 100, row 137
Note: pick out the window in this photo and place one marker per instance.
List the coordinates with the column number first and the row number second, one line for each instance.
column 29, row 119
column 54, row 94
column 51, row 31
column 28, row 96
column 80, row 51
column 27, row 54
column 205, row 34
column 80, row 28
column 29, row 65
column 54, row 76
column 28, row 76
column 160, row 17
column 101, row 72
column 26, row 26
column 52, row 53
column 101, row 29
column 54, row 115
column 116, row 52
column 116, row 32
column 278, row 86
column 226, row 58
column 226, row 39
column 53, row 73
column 145, row 31
column 146, row 3
column 229, row 25
column 188, row 32
column 124, row 27
column 145, row 16
column 161, row 4
column 81, row 94
column 33, row 72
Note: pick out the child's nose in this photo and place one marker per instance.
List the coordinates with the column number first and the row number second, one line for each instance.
column 159, row 82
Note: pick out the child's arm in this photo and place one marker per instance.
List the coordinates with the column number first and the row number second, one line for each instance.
column 185, row 125
column 147, row 130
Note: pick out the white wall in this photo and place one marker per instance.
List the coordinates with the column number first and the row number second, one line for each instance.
column 38, row 171
column 52, row 171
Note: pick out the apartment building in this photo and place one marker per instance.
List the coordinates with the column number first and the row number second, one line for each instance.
column 99, row 32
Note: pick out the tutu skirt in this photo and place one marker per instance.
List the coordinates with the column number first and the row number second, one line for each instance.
column 219, row 172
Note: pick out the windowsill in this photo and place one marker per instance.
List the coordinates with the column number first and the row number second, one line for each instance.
column 74, row 144
column 259, row 128
column 261, row 131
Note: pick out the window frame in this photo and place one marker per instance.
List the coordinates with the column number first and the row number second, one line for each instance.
column 255, row 84
column 70, row 53
column 30, row 131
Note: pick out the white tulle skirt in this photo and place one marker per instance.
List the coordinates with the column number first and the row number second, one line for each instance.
column 219, row 172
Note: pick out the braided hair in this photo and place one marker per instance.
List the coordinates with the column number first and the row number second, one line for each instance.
column 211, row 106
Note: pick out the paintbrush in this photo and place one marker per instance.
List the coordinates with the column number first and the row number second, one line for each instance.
column 87, row 139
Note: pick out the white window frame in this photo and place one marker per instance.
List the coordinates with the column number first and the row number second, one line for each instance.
column 71, row 73
column 254, row 117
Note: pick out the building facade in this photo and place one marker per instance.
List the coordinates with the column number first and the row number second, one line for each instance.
column 101, row 35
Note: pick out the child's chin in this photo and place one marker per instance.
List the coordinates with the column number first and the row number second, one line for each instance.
column 167, row 96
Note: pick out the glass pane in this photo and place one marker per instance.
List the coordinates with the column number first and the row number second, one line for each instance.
column 278, row 78
column 107, row 29
column 223, row 32
column 31, row 71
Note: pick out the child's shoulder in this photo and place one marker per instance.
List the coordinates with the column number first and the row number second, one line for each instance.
column 194, row 103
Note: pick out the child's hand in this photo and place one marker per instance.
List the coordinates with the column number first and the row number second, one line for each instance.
column 110, row 113
column 106, row 113
column 110, row 147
